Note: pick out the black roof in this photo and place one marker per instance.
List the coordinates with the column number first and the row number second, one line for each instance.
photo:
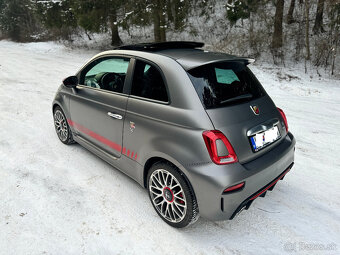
column 161, row 46
column 185, row 53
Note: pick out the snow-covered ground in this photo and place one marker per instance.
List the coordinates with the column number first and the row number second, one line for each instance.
column 57, row 199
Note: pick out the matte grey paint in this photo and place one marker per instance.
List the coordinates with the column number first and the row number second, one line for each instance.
column 173, row 131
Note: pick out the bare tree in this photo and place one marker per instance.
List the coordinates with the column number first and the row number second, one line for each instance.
column 115, row 38
column 290, row 18
column 307, row 29
column 278, row 34
column 318, row 24
column 277, row 40
column 307, row 56
column 159, row 20
column 335, row 49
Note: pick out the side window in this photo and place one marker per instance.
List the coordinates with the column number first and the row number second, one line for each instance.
column 106, row 73
column 148, row 82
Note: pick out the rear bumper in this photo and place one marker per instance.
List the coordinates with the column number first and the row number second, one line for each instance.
column 260, row 193
column 260, row 175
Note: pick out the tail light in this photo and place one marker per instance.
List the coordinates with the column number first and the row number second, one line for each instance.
column 283, row 115
column 220, row 150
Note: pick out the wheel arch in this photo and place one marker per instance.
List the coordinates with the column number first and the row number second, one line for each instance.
column 153, row 160
column 62, row 100
column 55, row 105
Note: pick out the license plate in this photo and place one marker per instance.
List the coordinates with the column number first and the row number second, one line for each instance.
column 265, row 138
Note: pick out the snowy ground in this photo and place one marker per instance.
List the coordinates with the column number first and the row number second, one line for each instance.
column 57, row 199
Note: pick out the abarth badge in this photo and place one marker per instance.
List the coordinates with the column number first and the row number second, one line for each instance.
column 255, row 109
column 132, row 126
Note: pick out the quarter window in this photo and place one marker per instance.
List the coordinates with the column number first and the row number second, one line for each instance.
column 148, row 82
column 107, row 74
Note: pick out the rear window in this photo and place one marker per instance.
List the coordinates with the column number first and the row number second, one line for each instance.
column 225, row 83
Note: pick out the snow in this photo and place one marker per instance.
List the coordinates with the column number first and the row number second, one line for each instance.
column 57, row 199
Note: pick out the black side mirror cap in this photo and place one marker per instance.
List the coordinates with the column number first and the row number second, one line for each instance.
column 71, row 82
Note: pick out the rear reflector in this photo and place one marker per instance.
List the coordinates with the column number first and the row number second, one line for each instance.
column 283, row 115
column 220, row 156
column 234, row 188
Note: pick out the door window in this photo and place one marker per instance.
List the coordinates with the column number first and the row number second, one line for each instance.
column 107, row 74
column 148, row 82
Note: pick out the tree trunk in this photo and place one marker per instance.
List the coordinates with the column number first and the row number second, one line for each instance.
column 252, row 43
column 307, row 29
column 159, row 21
column 156, row 25
column 174, row 14
column 163, row 22
column 318, row 27
column 335, row 50
column 115, row 39
column 88, row 35
column 277, row 35
column 290, row 18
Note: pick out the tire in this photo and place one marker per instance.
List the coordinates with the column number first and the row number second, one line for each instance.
column 171, row 195
column 61, row 126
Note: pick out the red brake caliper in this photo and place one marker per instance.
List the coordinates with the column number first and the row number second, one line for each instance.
column 181, row 195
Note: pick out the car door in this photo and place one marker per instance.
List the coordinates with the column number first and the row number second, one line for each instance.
column 98, row 104
column 145, row 118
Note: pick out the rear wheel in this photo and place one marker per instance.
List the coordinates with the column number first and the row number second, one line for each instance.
column 171, row 196
column 61, row 126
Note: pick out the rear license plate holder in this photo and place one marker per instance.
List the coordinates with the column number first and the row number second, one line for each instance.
column 263, row 139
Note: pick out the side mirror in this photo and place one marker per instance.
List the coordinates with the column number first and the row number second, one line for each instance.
column 71, row 81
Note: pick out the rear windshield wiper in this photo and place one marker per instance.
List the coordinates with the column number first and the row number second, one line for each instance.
column 234, row 99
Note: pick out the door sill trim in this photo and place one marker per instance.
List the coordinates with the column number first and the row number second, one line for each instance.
column 99, row 152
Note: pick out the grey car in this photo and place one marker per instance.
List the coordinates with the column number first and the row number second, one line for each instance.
column 195, row 128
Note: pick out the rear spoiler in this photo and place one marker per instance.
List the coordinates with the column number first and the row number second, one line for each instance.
column 189, row 65
column 250, row 61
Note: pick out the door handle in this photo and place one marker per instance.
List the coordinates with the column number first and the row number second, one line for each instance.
column 115, row 116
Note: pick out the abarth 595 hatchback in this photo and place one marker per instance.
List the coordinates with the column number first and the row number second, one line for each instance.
column 195, row 128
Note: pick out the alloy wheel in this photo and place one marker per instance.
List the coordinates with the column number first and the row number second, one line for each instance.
column 167, row 195
column 61, row 125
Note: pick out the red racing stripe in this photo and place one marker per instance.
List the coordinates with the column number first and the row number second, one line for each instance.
column 102, row 139
column 96, row 136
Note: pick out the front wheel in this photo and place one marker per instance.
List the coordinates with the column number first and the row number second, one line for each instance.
column 61, row 126
column 171, row 196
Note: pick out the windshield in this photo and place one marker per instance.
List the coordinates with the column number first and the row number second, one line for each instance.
column 225, row 83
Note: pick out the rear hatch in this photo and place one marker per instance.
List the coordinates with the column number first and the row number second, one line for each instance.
column 239, row 107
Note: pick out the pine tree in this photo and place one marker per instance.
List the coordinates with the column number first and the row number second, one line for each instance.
column 242, row 9
column 17, row 19
column 99, row 16
column 163, row 15
column 56, row 17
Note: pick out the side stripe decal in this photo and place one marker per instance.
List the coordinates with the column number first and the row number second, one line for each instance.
column 103, row 140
